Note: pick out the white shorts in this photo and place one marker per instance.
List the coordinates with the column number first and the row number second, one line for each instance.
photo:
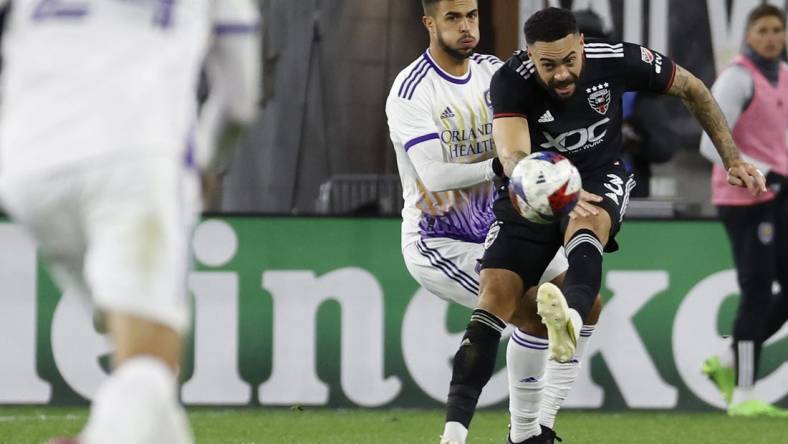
column 449, row 268
column 117, row 233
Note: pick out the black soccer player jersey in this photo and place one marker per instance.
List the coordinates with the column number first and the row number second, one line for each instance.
column 586, row 128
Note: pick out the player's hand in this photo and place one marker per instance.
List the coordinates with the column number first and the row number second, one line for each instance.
column 585, row 205
column 742, row 174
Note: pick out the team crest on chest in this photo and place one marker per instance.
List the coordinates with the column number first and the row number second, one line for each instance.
column 599, row 97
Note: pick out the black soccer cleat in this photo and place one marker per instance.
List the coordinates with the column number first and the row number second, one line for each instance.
column 547, row 436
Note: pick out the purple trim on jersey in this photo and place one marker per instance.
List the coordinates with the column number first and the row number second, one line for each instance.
column 235, row 28
column 470, row 280
column 188, row 156
column 411, row 77
column 409, row 144
column 421, row 76
column 470, row 223
column 445, row 75
column 48, row 9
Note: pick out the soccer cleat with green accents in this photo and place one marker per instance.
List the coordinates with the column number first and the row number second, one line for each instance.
column 551, row 306
column 722, row 377
column 755, row 407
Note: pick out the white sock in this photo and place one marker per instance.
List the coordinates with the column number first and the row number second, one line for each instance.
column 137, row 404
column 526, row 359
column 560, row 377
column 455, row 432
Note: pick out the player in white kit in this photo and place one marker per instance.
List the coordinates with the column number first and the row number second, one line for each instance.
column 97, row 118
column 440, row 122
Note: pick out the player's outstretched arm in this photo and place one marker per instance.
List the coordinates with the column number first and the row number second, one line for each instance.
column 512, row 141
column 698, row 99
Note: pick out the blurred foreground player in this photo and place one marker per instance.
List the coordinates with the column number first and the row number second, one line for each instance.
column 753, row 95
column 563, row 94
column 97, row 157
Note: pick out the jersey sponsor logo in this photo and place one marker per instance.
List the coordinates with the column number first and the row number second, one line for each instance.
column 577, row 139
column 447, row 113
column 468, row 142
column 546, row 117
column 599, row 97
column 646, row 55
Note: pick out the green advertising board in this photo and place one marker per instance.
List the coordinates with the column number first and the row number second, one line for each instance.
column 313, row 311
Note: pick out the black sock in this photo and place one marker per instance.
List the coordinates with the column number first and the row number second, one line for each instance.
column 473, row 366
column 584, row 276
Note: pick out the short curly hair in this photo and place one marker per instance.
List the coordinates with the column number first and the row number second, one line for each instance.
column 549, row 25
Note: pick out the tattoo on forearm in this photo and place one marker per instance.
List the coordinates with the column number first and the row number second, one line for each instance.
column 510, row 159
column 699, row 101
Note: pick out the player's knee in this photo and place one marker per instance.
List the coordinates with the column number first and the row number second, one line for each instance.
column 500, row 293
column 525, row 317
column 599, row 224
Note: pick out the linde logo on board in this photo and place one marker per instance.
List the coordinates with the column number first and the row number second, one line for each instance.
column 296, row 297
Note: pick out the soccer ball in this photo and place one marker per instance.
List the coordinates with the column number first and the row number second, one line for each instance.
column 544, row 187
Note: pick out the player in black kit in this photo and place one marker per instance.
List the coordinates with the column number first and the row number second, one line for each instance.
column 563, row 94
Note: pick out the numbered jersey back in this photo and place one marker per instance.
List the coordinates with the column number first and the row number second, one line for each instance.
column 88, row 78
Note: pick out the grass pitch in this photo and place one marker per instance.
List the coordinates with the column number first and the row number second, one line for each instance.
column 312, row 426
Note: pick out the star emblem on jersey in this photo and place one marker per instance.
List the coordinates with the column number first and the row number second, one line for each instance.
column 546, row 117
column 447, row 114
column 599, row 97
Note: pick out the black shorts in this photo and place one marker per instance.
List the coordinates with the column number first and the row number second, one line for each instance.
column 526, row 248
column 614, row 184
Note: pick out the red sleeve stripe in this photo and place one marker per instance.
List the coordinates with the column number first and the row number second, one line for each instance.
column 499, row 115
column 672, row 77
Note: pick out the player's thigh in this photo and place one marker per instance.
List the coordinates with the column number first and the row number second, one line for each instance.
column 139, row 225
column 447, row 268
column 48, row 208
column 516, row 255
column 614, row 184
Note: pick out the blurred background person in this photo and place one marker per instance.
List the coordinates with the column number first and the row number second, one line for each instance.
column 753, row 95
column 231, row 84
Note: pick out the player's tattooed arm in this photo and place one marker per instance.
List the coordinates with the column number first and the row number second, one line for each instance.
column 512, row 141
column 698, row 99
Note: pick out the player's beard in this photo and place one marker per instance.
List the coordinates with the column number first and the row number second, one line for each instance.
column 551, row 85
column 456, row 53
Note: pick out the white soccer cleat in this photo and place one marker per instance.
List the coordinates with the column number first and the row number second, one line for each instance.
column 562, row 337
column 447, row 441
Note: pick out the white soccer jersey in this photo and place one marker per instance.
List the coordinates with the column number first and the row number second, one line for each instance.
column 91, row 79
column 436, row 116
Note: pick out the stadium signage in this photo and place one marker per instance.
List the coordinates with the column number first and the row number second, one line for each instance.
column 343, row 325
